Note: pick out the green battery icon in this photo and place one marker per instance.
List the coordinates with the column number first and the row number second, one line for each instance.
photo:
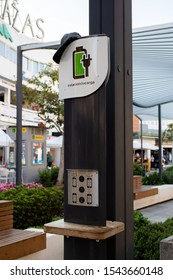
column 78, row 67
column 81, row 63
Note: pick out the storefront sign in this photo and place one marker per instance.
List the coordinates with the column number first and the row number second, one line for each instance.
column 5, row 33
column 84, row 67
column 38, row 137
column 11, row 14
column 14, row 129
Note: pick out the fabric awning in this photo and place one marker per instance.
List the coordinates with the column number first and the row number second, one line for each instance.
column 145, row 145
column 153, row 71
column 5, row 139
column 54, row 142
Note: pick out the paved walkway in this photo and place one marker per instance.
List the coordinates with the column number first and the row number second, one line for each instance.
column 159, row 212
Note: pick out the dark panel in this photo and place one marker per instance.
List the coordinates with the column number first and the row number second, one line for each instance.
column 115, row 22
column 84, row 249
column 95, row 12
column 85, row 148
column 115, row 160
column 128, row 129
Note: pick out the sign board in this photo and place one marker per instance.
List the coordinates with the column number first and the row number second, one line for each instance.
column 38, row 137
column 10, row 13
column 84, row 67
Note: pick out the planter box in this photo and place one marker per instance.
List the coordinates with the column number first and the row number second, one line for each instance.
column 166, row 248
column 144, row 191
column 137, row 182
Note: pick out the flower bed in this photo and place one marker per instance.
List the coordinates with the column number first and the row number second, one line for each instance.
column 8, row 186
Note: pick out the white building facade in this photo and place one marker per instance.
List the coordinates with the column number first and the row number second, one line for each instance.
column 12, row 34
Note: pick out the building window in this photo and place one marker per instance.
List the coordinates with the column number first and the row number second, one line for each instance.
column 41, row 67
column 23, row 152
column 2, row 49
column 34, row 67
column 11, row 54
column 38, row 153
column 25, row 63
column 37, row 131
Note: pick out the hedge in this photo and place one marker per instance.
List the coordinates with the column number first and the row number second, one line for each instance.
column 35, row 206
column 147, row 237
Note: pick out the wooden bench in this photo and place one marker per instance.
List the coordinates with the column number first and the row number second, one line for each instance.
column 16, row 243
column 144, row 191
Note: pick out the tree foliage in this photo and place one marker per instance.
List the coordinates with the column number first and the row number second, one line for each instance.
column 41, row 94
column 168, row 132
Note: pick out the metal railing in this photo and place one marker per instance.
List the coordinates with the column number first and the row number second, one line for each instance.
column 8, row 115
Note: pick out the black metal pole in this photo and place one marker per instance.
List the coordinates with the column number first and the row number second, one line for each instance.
column 19, row 117
column 20, row 49
column 85, row 148
column 113, row 18
column 160, row 141
column 142, row 156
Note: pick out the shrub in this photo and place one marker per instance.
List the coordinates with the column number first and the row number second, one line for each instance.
column 167, row 175
column 139, row 220
column 137, row 169
column 48, row 177
column 152, row 179
column 147, row 237
column 34, row 206
column 169, row 169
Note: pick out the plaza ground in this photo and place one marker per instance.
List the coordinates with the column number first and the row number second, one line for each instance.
column 159, row 212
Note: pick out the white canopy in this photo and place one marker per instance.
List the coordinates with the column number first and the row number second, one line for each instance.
column 152, row 71
column 54, row 142
column 145, row 145
column 5, row 139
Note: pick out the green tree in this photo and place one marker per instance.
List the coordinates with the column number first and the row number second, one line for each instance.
column 41, row 94
column 168, row 134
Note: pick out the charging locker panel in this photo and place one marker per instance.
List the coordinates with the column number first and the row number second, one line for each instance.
column 83, row 187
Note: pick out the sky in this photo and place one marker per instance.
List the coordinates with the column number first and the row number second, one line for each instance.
column 64, row 16
column 60, row 16
column 151, row 12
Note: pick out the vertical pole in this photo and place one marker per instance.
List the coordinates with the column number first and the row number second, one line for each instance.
column 113, row 18
column 19, row 117
column 160, row 141
column 142, row 156
column 85, row 148
column 127, row 213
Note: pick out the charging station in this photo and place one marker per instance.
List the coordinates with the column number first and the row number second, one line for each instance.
column 83, row 91
column 83, row 74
